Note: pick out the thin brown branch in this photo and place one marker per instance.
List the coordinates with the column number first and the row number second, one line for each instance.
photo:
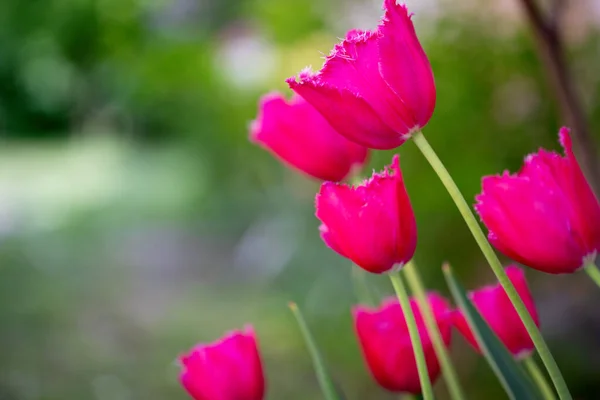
column 535, row 16
column 556, row 10
column 551, row 50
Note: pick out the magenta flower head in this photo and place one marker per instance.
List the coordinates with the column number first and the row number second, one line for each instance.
column 372, row 224
column 497, row 310
column 376, row 87
column 386, row 344
column 298, row 135
column 228, row 369
column 545, row 216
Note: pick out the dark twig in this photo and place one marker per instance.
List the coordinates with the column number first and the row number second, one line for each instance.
column 550, row 47
column 556, row 9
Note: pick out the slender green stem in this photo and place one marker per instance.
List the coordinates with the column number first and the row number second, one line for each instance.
column 327, row 386
column 361, row 286
column 449, row 373
column 490, row 255
column 413, row 331
column 408, row 396
column 539, row 378
column 593, row 272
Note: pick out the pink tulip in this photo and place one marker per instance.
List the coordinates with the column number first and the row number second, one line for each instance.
column 496, row 309
column 298, row 135
column 376, row 87
column 372, row 224
column 386, row 344
column 545, row 216
column 228, row 369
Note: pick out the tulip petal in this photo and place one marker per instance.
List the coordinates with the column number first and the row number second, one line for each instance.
column 353, row 65
column 579, row 192
column 347, row 113
column 404, row 64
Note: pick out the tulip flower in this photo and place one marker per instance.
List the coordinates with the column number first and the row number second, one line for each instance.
column 545, row 216
column 496, row 309
column 372, row 224
column 228, row 369
column 386, row 344
column 376, row 87
column 298, row 135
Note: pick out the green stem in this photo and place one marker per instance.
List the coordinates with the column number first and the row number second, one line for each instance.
column 490, row 255
column 593, row 272
column 361, row 286
column 413, row 331
column 448, row 372
column 539, row 378
column 327, row 386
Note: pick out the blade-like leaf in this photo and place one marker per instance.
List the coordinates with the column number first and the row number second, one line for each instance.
column 328, row 387
column 512, row 377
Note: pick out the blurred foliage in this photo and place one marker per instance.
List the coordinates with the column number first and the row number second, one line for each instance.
column 136, row 219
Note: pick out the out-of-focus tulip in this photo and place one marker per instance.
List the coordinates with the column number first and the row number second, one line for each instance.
column 386, row 345
column 496, row 309
column 299, row 136
column 228, row 369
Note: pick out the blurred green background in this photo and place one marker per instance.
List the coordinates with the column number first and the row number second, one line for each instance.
column 136, row 219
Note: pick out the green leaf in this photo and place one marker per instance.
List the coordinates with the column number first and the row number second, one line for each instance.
column 512, row 377
column 328, row 387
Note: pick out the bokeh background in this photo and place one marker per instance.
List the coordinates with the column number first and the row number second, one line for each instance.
column 136, row 219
